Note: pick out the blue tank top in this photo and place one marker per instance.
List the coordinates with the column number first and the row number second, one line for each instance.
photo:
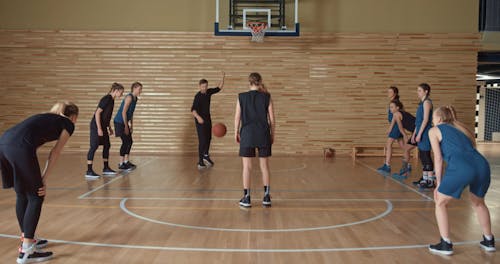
column 419, row 119
column 130, row 111
column 389, row 115
column 455, row 143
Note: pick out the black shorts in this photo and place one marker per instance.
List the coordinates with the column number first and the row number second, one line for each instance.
column 249, row 152
column 104, row 140
column 20, row 169
column 119, row 129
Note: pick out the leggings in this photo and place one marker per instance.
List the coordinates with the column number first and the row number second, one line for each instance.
column 95, row 141
column 425, row 157
column 126, row 144
column 28, row 210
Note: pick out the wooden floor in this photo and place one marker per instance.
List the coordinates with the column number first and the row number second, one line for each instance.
column 324, row 211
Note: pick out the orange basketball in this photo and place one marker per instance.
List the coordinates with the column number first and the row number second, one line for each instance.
column 219, row 130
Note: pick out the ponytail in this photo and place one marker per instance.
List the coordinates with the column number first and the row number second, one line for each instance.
column 448, row 115
column 116, row 86
column 66, row 108
column 255, row 79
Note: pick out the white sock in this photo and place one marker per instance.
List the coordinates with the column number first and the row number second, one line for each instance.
column 488, row 237
column 26, row 245
column 447, row 240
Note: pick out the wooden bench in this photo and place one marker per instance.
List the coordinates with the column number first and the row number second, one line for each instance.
column 357, row 151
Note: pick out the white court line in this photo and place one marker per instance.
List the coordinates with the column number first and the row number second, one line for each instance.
column 239, row 250
column 123, row 173
column 387, row 211
column 302, row 167
column 396, row 181
column 237, row 198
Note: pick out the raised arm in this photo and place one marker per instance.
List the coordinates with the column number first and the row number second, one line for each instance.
column 221, row 83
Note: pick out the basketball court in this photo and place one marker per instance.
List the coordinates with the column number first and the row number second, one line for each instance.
column 330, row 92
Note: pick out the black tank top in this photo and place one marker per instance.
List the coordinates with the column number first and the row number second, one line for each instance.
column 255, row 130
column 408, row 121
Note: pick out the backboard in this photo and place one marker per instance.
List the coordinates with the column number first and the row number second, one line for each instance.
column 232, row 16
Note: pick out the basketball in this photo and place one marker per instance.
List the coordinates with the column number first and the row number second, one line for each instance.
column 219, row 130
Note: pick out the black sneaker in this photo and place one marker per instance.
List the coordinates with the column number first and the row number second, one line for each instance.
column 266, row 200
column 92, row 175
column 418, row 181
column 208, row 161
column 442, row 247
column 201, row 165
column 32, row 256
column 124, row 166
column 131, row 165
column 108, row 172
column 41, row 243
column 428, row 184
column 245, row 201
column 488, row 245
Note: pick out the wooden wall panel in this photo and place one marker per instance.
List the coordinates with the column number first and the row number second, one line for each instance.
column 329, row 89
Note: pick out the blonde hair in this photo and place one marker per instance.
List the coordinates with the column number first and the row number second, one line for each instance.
column 65, row 108
column 448, row 115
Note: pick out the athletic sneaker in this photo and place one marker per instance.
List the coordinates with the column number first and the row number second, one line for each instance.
column 266, row 200
column 201, row 165
column 385, row 169
column 404, row 171
column 124, row 166
column 108, row 172
column 39, row 244
column 488, row 245
column 32, row 256
column 442, row 247
column 131, row 165
column 208, row 161
column 92, row 175
column 417, row 182
column 427, row 184
column 245, row 201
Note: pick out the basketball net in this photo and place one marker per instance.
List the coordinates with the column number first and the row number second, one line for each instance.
column 258, row 30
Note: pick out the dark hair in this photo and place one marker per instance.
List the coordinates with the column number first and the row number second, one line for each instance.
column 398, row 104
column 202, row 81
column 426, row 87
column 396, row 92
column 116, row 86
column 255, row 79
column 65, row 108
column 135, row 85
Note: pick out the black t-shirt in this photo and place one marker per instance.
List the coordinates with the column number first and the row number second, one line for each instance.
column 107, row 104
column 37, row 130
column 255, row 130
column 201, row 103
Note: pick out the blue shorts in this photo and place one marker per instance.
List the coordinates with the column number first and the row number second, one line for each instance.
column 395, row 134
column 425, row 142
column 472, row 171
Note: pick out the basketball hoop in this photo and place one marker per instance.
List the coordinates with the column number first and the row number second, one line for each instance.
column 258, row 30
